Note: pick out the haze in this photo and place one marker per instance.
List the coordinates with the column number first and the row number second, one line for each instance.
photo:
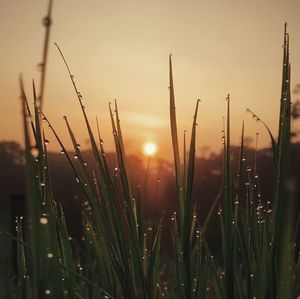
column 119, row 49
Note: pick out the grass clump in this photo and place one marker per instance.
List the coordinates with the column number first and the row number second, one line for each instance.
column 121, row 253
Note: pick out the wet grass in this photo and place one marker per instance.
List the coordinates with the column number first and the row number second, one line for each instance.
column 120, row 256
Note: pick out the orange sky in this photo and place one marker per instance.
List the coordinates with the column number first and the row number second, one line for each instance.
column 119, row 49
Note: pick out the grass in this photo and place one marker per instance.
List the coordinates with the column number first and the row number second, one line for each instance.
column 121, row 255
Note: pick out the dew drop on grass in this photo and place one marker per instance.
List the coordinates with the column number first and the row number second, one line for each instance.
column 75, row 157
column 62, row 152
column 49, row 255
column 28, row 118
column 47, row 141
column 47, row 292
column 42, row 184
column 37, row 104
column 47, row 21
column 43, row 220
column 40, row 67
column 34, row 152
column 78, row 145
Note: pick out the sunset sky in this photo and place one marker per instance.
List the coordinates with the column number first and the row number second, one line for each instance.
column 119, row 49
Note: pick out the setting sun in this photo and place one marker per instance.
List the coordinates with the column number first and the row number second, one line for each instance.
column 150, row 149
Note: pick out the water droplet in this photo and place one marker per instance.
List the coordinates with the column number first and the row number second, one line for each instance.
column 75, row 157
column 34, row 152
column 47, row 21
column 42, row 184
column 50, row 255
column 84, row 163
column 77, row 180
column 47, row 292
column 43, row 220
column 47, row 141
column 78, row 145
column 62, row 152
column 40, row 67
column 37, row 104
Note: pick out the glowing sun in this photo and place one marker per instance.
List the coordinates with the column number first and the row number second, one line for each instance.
column 150, row 149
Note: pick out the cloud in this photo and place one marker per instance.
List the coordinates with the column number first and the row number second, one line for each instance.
column 144, row 120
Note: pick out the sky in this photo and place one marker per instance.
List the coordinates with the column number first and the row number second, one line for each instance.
column 119, row 49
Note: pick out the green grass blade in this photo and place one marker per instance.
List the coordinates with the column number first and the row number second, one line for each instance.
column 178, row 172
column 228, row 217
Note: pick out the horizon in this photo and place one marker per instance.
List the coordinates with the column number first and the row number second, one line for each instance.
column 250, row 72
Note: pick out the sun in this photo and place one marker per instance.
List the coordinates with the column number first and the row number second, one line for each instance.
column 150, row 149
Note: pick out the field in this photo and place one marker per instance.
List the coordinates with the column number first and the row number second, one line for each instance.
column 120, row 255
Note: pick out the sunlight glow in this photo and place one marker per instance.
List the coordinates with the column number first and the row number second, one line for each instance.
column 150, row 149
